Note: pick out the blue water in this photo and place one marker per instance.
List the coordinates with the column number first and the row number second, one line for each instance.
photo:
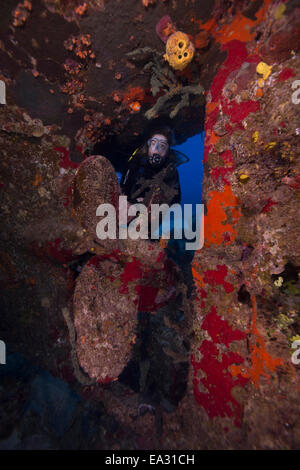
column 190, row 177
column 191, row 173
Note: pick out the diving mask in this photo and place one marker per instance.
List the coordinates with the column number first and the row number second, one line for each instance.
column 157, row 149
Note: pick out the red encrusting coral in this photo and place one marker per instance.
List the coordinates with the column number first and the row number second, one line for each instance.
column 65, row 161
column 218, row 400
column 239, row 111
column 219, row 330
column 221, row 172
column 214, row 277
column 237, row 55
column 132, row 271
column 268, row 205
column 165, row 28
column 226, row 170
column 285, row 74
column 151, row 282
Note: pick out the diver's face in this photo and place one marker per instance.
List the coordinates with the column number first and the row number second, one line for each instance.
column 157, row 149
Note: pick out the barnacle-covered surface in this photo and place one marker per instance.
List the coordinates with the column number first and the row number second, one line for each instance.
column 210, row 366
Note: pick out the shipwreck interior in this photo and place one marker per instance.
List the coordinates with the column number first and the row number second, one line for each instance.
column 142, row 344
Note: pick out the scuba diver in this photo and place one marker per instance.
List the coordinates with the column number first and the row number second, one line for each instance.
column 152, row 176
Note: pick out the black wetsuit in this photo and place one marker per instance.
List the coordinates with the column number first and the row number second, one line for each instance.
column 154, row 185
